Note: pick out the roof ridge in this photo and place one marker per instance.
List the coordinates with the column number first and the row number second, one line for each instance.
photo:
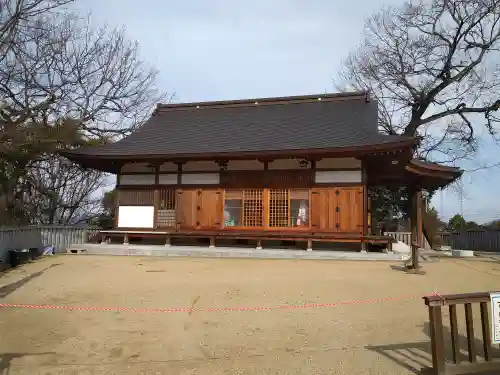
column 352, row 95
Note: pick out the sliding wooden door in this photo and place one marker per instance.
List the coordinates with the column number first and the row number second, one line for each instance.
column 187, row 208
column 337, row 209
column 209, row 208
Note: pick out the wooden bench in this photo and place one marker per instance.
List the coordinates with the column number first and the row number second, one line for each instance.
column 250, row 235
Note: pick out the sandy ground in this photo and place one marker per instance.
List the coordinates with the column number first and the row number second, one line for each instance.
column 385, row 337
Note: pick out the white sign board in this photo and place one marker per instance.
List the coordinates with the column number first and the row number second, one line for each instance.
column 495, row 318
column 136, row 216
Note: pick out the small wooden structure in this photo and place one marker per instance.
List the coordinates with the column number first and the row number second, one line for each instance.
column 440, row 364
column 292, row 168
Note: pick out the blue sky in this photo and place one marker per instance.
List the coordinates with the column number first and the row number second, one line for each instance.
column 222, row 49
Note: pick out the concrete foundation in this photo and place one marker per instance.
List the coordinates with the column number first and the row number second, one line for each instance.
column 221, row 252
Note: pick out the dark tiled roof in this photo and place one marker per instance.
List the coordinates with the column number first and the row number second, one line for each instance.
column 257, row 125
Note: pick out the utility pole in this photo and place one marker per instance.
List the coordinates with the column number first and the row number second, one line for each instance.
column 461, row 196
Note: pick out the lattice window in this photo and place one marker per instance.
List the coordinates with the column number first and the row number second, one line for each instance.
column 279, row 208
column 135, row 197
column 167, row 199
column 166, row 216
column 252, row 208
column 243, row 208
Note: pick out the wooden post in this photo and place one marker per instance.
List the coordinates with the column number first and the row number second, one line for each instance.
column 212, row 242
column 437, row 340
column 266, row 172
column 156, row 197
column 485, row 322
column 309, row 245
column 265, row 208
column 156, row 204
column 168, row 241
column 117, row 201
column 365, row 200
column 259, row 245
column 416, row 226
column 103, row 239
column 455, row 346
column 363, row 246
column 179, row 172
column 471, row 339
column 415, row 255
column 420, row 213
column 125, row 239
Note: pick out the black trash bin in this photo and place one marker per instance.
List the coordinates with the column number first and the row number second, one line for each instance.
column 18, row 256
column 34, row 253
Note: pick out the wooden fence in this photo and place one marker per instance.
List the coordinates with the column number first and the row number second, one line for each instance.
column 478, row 240
column 40, row 236
column 442, row 343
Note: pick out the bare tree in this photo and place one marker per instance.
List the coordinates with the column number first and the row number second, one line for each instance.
column 62, row 192
column 61, row 85
column 16, row 17
column 434, row 67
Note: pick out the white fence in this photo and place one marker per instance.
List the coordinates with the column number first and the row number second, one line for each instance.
column 405, row 237
column 40, row 236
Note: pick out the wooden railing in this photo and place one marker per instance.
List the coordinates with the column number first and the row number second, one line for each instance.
column 440, row 363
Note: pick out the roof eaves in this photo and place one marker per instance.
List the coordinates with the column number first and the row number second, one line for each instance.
column 382, row 146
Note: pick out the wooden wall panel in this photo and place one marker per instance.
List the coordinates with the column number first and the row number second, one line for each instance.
column 137, row 179
column 135, row 197
column 332, row 209
column 284, row 179
column 241, row 179
column 291, row 179
column 201, row 166
column 338, row 177
column 210, row 208
column 338, row 163
column 186, row 208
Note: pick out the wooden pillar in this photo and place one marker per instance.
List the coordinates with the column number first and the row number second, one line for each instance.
column 309, row 245
column 179, row 172
column 116, row 211
column 365, row 201
column 168, row 242
column 266, row 172
column 416, row 208
column 363, row 246
column 365, row 223
column 259, row 245
column 117, row 202
column 420, row 219
column 265, row 208
column 212, row 242
column 156, row 197
column 125, row 239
